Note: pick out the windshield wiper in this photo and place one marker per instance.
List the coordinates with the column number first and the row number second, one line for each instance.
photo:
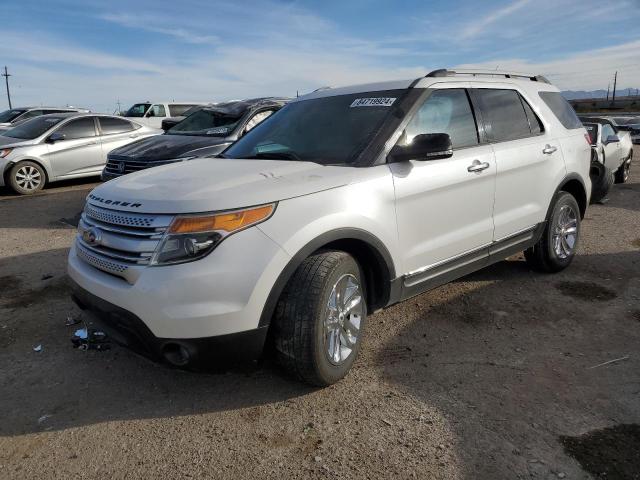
column 276, row 156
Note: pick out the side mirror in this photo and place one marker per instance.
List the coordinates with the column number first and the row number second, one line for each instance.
column 56, row 137
column 428, row 146
column 612, row 139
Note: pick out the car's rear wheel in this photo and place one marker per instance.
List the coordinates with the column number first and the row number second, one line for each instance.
column 557, row 246
column 622, row 174
column 319, row 319
column 27, row 178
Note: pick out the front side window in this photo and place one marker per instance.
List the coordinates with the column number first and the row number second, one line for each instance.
column 157, row 111
column 607, row 131
column 208, row 122
column 330, row 130
column 33, row 128
column 80, row 128
column 563, row 111
column 10, row 115
column 138, row 110
column 445, row 111
column 257, row 118
column 114, row 125
column 503, row 114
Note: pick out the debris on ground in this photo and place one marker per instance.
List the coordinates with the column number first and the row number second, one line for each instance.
column 37, row 348
column 90, row 339
column 72, row 320
column 615, row 360
column 46, row 276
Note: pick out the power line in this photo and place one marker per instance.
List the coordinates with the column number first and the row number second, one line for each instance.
column 6, row 76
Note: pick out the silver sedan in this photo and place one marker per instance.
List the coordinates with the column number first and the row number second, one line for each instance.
column 62, row 146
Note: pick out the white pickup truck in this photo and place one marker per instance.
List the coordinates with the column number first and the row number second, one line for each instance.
column 152, row 114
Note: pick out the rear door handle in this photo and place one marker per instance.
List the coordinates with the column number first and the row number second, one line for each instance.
column 548, row 149
column 477, row 166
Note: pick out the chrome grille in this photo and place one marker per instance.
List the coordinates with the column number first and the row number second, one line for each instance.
column 126, row 240
column 123, row 165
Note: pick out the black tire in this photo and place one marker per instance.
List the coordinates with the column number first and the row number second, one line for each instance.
column 601, row 181
column 543, row 255
column 299, row 322
column 37, row 178
column 622, row 174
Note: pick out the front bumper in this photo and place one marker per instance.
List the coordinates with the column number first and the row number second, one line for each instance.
column 130, row 331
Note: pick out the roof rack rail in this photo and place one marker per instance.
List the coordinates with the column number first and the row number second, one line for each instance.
column 443, row 72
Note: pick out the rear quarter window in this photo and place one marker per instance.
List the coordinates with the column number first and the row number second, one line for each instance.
column 563, row 111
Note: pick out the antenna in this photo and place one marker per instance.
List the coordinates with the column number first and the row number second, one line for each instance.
column 6, row 76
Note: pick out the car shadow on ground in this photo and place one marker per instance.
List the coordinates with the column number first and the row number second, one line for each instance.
column 510, row 357
column 53, row 188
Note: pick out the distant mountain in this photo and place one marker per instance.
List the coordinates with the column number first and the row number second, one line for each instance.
column 582, row 94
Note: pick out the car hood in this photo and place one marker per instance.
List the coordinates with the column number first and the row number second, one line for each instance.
column 210, row 184
column 15, row 142
column 165, row 147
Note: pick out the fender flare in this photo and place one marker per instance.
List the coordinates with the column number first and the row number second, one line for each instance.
column 317, row 243
column 559, row 188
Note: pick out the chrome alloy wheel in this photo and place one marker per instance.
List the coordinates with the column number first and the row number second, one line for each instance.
column 28, row 178
column 344, row 315
column 565, row 232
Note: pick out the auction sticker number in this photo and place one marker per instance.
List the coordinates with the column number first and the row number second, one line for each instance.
column 373, row 102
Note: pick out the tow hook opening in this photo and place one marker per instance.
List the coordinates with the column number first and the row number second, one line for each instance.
column 176, row 354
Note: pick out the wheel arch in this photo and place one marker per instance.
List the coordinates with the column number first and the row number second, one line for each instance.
column 368, row 250
column 12, row 163
column 574, row 185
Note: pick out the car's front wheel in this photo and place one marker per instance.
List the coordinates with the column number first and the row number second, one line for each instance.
column 27, row 178
column 557, row 246
column 319, row 319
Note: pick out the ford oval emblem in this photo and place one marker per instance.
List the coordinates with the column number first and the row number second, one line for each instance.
column 92, row 236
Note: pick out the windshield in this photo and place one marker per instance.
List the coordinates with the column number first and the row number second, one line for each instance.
column 138, row 110
column 33, row 128
column 206, row 122
column 8, row 115
column 328, row 130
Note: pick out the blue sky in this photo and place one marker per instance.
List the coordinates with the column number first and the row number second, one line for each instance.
column 93, row 53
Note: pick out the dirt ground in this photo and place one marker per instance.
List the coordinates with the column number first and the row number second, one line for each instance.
column 493, row 376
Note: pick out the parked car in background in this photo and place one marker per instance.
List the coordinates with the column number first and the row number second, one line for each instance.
column 602, row 176
column 15, row 116
column 152, row 114
column 61, row 146
column 206, row 132
column 613, row 146
column 629, row 123
column 169, row 122
column 345, row 202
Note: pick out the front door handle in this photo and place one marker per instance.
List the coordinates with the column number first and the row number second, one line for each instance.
column 477, row 166
column 548, row 149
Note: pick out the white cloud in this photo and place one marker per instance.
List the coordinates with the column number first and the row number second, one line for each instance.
column 478, row 25
column 588, row 70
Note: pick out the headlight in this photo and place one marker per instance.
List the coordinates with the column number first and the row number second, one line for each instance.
column 5, row 151
column 191, row 237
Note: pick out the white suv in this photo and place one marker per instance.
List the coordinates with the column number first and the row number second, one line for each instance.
column 344, row 202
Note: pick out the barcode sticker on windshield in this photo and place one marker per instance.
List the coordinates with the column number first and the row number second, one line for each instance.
column 373, row 102
column 218, row 130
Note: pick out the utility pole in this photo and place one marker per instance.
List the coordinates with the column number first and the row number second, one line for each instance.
column 6, row 76
column 615, row 81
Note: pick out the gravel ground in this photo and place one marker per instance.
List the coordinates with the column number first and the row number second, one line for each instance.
column 489, row 377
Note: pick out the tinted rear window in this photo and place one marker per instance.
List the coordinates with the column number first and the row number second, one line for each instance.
column 561, row 109
column 503, row 114
column 114, row 125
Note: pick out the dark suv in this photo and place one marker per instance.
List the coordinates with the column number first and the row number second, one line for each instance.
column 206, row 132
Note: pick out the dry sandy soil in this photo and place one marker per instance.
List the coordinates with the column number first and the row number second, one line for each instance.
column 489, row 377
